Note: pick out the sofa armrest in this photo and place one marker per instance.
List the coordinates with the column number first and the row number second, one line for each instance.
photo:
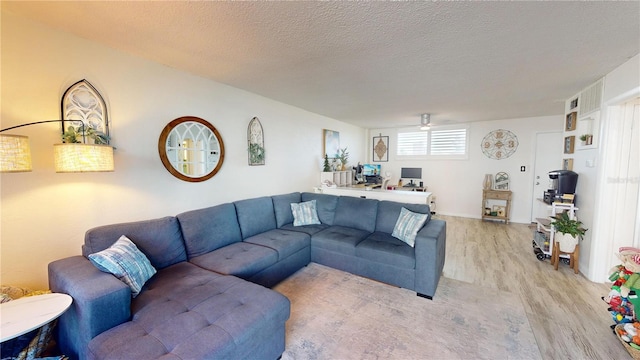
column 100, row 302
column 430, row 252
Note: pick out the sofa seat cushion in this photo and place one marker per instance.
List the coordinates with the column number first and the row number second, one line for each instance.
column 339, row 239
column 284, row 242
column 383, row 248
column 307, row 229
column 187, row 312
column 240, row 259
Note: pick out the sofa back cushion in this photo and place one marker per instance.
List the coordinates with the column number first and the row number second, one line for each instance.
column 325, row 206
column 208, row 229
column 282, row 207
column 255, row 216
column 159, row 239
column 389, row 211
column 356, row 213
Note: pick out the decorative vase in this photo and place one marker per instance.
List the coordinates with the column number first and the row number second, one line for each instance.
column 566, row 242
column 488, row 182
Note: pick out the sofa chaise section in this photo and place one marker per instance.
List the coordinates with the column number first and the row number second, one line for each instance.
column 187, row 312
column 223, row 316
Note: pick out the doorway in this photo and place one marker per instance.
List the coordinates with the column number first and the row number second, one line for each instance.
column 547, row 158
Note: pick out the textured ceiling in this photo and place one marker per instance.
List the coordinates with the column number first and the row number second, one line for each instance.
column 373, row 64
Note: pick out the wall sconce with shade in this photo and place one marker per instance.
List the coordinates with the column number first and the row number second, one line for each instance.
column 82, row 103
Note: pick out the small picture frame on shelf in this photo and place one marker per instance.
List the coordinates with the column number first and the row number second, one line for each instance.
column 573, row 104
column 569, row 143
column 567, row 164
column 499, row 210
column 570, row 123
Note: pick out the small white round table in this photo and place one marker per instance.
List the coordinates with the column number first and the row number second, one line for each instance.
column 22, row 315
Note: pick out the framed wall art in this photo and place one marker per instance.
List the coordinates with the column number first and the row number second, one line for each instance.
column 569, row 143
column 502, row 181
column 331, row 143
column 567, row 164
column 380, row 148
column 570, row 123
column 255, row 138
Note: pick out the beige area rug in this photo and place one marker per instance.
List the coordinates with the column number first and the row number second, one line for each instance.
column 337, row 315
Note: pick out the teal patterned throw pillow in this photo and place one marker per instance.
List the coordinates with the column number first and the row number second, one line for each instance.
column 126, row 262
column 305, row 213
column 408, row 225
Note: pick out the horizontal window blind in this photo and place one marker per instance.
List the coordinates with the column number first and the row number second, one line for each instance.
column 449, row 142
column 413, row 143
column 434, row 142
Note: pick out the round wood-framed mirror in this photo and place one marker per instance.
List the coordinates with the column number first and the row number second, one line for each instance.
column 191, row 149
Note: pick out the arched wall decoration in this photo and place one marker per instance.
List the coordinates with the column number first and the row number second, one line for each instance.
column 499, row 144
column 81, row 101
column 255, row 139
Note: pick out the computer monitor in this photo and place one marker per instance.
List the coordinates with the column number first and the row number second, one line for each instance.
column 411, row 174
column 371, row 170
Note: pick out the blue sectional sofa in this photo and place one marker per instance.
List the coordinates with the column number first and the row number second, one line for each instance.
column 210, row 297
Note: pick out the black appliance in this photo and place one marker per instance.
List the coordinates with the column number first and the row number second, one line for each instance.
column 562, row 182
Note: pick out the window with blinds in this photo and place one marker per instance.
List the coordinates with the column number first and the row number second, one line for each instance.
column 413, row 143
column 450, row 143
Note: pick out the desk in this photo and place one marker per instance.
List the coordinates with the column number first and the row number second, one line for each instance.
column 408, row 197
column 29, row 313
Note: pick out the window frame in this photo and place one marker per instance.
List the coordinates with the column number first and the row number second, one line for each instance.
column 429, row 155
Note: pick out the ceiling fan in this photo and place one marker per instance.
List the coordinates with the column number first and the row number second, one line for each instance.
column 425, row 121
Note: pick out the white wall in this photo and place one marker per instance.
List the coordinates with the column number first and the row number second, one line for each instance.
column 45, row 215
column 457, row 184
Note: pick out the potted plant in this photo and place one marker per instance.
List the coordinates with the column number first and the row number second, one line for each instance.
column 256, row 154
column 344, row 158
column 326, row 167
column 587, row 139
column 568, row 231
column 73, row 135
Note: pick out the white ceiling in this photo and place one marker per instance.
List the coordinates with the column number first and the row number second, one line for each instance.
column 373, row 64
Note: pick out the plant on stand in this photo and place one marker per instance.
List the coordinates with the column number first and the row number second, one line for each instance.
column 568, row 231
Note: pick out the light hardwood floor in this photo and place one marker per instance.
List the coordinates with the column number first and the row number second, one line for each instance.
column 565, row 310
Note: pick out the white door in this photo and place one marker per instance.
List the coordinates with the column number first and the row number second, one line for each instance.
column 548, row 158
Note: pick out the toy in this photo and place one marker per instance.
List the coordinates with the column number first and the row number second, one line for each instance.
column 629, row 334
